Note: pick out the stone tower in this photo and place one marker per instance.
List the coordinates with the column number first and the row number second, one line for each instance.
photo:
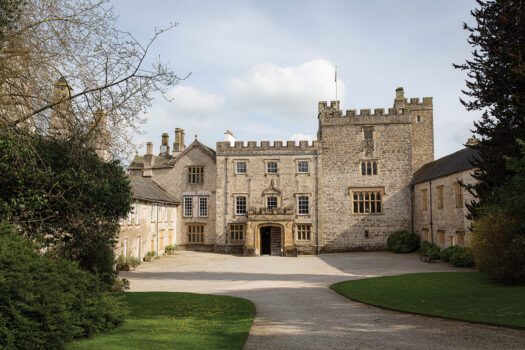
column 61, row 118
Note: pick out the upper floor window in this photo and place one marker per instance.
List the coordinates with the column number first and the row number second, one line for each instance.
column 302, row 167
column 424, row 199
column 195, row 174
column 367, row 201
column 368, row 167
column 303, row 204
column 271, row 202
column 240, row 167
column 203, row 206
column 368, row 133
column 240, row 205
column 439, row 190
column 137, row 210
column 459, row 195
column 188, row 206
column 271, row 167
column 153, row 211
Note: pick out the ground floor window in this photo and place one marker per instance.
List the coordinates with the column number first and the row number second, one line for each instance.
column 425, row 235
column 367, row 201
column 195, row 233
column 460, row 238
column 441, row 237
column 303, row 231
column 236, row 232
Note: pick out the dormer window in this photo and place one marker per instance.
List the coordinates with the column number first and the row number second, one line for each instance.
column 195, row 174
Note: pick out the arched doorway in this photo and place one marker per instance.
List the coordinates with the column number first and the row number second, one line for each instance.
column 270, row 240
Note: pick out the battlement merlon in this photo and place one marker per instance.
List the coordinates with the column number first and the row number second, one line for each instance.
column 333, row 110
column 240, row 147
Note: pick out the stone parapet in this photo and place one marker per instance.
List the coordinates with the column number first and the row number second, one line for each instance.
column 251, row 147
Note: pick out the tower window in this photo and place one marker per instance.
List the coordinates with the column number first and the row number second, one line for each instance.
column 368, row 167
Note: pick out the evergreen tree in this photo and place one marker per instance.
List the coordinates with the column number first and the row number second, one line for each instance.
column 496, row 86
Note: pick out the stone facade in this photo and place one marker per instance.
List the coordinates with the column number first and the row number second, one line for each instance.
column 348, row 190
column 150, row 227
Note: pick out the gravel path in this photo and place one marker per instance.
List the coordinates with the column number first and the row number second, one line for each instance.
column 297, row 310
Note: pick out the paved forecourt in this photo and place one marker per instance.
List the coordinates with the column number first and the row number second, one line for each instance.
column 297, row 310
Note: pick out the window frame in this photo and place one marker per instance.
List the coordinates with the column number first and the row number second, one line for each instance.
column 369, row 167
column 201, row 214
column 198, row 234
column 189, row 200
column 424, row 199
column 368, row 131
column 442, row 236
column 440, row 193
column 367, row 190
column 303, row 232
column 236, row 232
column 268, row 167
column 458, row 189
column 236, row 198
column 303, row 162
column 237, row 163
column 299, row 197
column 195, row 174
column 268, row 201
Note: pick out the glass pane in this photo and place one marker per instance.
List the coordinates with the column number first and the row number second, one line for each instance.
column 373, row 207
column 375, row 168
column 366, row 196
column 368, row 168
column 378, row 207
column 355, row 207
column 363, row 168
column 372, row 196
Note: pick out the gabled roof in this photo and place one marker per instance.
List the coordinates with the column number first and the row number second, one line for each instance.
column 167, row 161
column 144, row 188
column 453, row 163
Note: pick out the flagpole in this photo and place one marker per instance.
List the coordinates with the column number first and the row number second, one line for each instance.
column 336, row 83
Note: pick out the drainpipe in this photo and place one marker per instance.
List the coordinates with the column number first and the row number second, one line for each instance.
column 431, row 222
column 157, row 230
column 412, row 206
column 226, row 204
column 317, row 201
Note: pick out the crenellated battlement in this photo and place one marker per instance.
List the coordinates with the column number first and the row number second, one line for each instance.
column 266, row 147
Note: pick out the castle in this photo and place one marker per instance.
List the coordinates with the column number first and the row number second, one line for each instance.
column 348, row 190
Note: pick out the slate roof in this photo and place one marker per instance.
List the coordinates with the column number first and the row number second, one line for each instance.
column 167, row 161
column 453, row 163
column 144, row 188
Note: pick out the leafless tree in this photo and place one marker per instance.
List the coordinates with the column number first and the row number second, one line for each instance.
column 76, row 44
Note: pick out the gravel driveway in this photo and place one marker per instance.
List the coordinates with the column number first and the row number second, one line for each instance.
column 297, row 310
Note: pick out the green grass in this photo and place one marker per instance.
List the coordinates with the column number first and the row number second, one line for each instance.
column 467, row 296
column 177, row 321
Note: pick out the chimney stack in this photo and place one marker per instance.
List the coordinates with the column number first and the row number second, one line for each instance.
column 164, row 147
column 148, row 161
column 228, row 137
column 399, row 102
column 178, row 145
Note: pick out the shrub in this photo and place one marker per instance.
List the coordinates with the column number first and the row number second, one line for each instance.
column 430, row 249
column 128, row 260
column 446, row 253
column 499, row 246
column 403, row 241
column 172, row 247
column 462, row 257
column 46, row 303
column 152, row 253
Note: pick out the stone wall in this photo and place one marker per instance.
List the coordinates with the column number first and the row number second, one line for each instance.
column 451, row 218
column 253, row 184
column 175, row 181
column 136, row 239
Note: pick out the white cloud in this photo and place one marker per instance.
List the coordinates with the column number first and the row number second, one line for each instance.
column 290, row 92
column 187, row 99
column 303, row 137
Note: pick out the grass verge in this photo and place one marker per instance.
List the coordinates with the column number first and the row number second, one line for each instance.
column 160, row 320
column 468, row 296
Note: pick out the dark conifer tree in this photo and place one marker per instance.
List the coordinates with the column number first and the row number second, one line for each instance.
column 496, row 86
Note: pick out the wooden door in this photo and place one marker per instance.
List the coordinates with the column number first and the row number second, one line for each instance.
column 275, row 233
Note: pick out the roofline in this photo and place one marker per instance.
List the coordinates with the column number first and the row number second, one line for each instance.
column 176, row 202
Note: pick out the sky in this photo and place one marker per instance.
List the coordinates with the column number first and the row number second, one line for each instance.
column 259, row 68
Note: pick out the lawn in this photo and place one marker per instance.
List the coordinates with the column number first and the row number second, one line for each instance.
column 459, row 295
column 177, row 321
